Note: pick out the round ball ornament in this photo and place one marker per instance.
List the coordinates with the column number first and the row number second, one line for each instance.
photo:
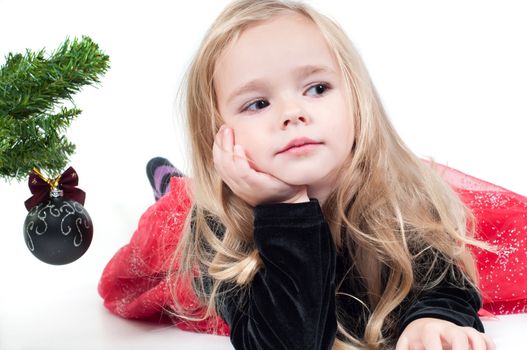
column 58, row 230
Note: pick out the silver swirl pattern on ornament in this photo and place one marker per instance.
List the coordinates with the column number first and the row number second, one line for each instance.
column 66, row 207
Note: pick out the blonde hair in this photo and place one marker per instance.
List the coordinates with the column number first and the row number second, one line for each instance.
column 387, row 210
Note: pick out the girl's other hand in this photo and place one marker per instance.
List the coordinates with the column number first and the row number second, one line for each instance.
column 436, row 334
column 252, row 186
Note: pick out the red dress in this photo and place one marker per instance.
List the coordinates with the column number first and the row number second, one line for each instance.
column 133, row 286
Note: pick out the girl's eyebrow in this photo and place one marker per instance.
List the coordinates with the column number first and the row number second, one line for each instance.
column 302, row 71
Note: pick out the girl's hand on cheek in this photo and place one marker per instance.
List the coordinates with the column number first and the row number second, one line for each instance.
column 252, row 186
column 436, row 334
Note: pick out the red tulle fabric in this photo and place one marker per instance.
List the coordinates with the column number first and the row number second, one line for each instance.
column 501, row 217
column 133, row 284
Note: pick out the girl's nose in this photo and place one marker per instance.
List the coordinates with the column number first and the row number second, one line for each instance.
column 293, row 114
column 294, row 120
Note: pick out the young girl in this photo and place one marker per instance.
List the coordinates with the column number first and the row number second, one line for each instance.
column 307, row 222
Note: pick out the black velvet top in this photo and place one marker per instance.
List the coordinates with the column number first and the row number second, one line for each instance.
column 291, row 303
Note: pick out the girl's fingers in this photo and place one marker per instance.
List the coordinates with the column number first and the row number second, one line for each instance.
column 217, row 154
column 432, row 341
column 489, row 343
column 459, row 341
column 221, row 157
column 479, row 341
column 240, row 163
column 228, row 139
column 231, row 166
column 218, row 139
column 402, row 344
column 217, row 148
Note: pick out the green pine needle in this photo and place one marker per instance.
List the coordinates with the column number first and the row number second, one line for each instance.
column 32, row 119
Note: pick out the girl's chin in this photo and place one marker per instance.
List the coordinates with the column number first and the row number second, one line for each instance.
column 299, row 176
column 296, row 180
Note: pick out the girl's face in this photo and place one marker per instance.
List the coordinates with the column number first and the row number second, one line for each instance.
column 279, row 82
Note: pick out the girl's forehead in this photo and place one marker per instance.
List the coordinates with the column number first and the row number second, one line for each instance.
column 282, row 39
column 286, row 25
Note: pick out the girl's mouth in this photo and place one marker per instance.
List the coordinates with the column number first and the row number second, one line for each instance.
column 301, row 149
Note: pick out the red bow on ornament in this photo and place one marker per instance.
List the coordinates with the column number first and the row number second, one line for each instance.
column 41, row 186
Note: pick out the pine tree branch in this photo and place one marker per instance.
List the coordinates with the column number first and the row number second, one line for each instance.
column 32, row 87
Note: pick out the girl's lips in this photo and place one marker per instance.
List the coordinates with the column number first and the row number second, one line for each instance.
column 301, row 150
column 301, row 141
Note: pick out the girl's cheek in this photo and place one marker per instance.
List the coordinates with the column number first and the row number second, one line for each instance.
column 250, row 148
column 240, row 138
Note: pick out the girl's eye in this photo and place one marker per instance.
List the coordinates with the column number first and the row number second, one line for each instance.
column 259, row 104
column 319, row 88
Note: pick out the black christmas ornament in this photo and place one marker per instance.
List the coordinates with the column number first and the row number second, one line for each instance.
column 57, row 230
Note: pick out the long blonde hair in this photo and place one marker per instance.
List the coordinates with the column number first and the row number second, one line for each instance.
column 388, row 209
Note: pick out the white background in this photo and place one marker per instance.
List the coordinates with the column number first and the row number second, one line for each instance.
column 452, row 76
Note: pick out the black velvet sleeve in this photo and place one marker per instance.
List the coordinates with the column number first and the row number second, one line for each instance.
column 291, row 300
column 450, row 301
